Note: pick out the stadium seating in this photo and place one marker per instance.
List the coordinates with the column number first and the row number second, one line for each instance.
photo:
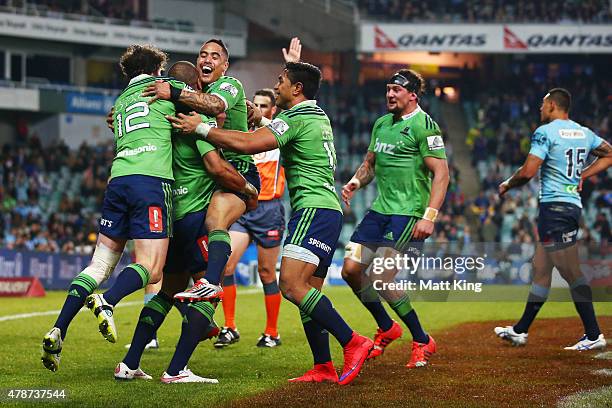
column 471, row 11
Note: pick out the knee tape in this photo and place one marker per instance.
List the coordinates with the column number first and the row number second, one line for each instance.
column 358, row 253
column 103, row 263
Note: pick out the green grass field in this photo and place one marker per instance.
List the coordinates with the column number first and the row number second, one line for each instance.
column 88, row 361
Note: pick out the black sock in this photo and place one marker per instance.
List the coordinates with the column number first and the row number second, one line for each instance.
column 404, row 310
column 132, row 278
column 151, row 318
column 318, row 339
column 536, row 299
column 219, row 250
column 583, row 301
column 370, row 299
column 81, row 287
column 319, row 308
column 198, row 317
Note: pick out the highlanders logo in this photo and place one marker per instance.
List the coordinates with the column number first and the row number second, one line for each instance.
column 279, row 126
column 227, row 87
column 435, row 142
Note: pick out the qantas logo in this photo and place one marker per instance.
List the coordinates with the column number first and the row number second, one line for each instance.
column 382, row 40
column 555, row 40
column 512, row 41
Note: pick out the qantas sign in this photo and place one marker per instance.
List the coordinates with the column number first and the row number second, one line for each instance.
column 494, row 38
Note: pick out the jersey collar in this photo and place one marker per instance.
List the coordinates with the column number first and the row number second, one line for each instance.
column 413, row 113
column 307, row 102
column 138, row 78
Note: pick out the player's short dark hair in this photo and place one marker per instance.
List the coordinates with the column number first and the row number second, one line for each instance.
column 307, row 74
column 221, row 44
column 562, row 98
column 416, row 82
column 268, row 93
column 142, row 59
column 185, row 71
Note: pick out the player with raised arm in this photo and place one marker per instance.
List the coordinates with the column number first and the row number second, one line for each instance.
column 221, row 95
column 137, row 203
column 405, row 150
column 265, row 225
column 305, row 138
column 198, row 169
column 559, row 150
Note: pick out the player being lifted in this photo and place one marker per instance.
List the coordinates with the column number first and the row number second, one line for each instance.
column 559, row 149
column 265, row 226
column 405, row 150
column 304, row 135
column 137, row 203
column 198, row 169
column 222, row 95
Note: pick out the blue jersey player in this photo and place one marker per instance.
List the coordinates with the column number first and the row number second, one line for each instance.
column 559, row 149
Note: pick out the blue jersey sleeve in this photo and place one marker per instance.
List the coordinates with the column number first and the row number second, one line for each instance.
column 540, row 143
column 596, row 141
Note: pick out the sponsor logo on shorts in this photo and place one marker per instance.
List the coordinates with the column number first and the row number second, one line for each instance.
column 155, row 219
column 316, row 243
column 569, row 236
column 273, row 233
column 435, row 142
column 106, row 223
column 203, row 245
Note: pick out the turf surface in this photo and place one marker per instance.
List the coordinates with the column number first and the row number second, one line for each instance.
column 88, row 361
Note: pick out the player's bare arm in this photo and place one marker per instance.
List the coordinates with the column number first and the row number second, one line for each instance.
column 258, row 141
column 210, row 105
column 439, row 184
column 226, row 175
column 604, row 160
column 363, row 176
column 522, row 176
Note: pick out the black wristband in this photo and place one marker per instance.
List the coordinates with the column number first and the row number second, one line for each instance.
column 175, row 93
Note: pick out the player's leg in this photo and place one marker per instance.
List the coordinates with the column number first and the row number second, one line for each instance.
column 318, row 340
column 538, row 293
column 313, row 235
column 266, row 268
column 240, row 242
column 151, row 318
column 104, row 259
column 150, row 225
column 568, row 264
column 151, row 290
column 224, row 210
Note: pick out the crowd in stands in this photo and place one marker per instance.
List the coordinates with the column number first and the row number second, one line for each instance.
column 111, row 9
column 50, row 197
column 475, row 11
column 502, row 121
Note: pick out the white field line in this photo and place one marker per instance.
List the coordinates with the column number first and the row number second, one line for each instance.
column 125, row 304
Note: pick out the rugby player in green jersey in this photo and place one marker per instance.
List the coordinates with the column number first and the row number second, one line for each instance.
column 221, row 95
column 408, row 159
column 198, row 169
column 137, row 202
column 304, row 136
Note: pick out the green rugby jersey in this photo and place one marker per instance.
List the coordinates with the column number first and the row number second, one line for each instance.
column 402, row 179
column 193, row 186
column 306, row 143
column 142, row 133
column 230, row 90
